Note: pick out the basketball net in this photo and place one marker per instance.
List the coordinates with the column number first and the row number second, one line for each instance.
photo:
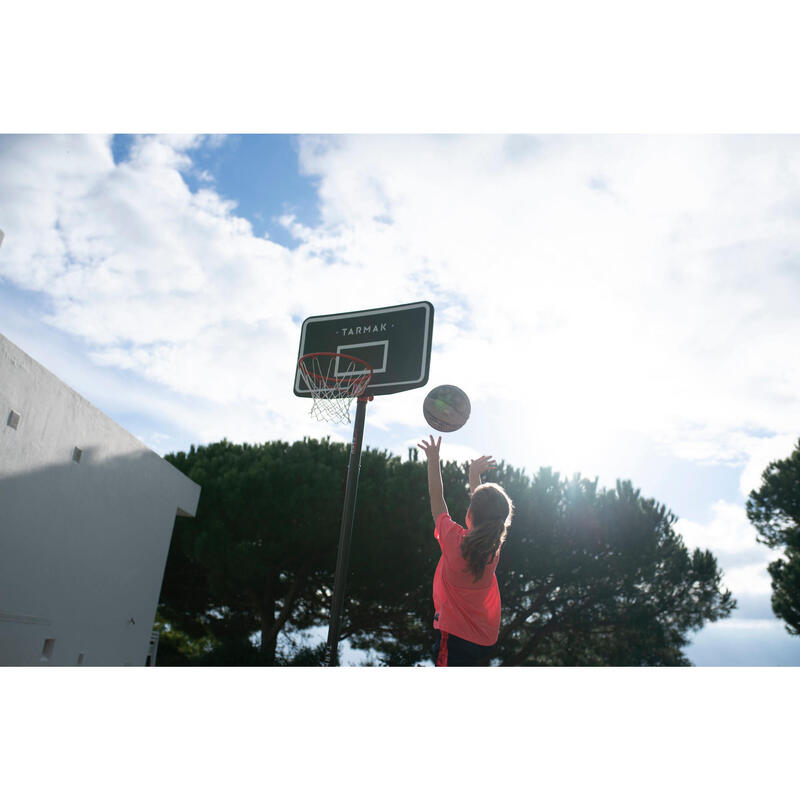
column 334, row 379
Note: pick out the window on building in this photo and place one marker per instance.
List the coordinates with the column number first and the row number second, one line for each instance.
column 47, row 650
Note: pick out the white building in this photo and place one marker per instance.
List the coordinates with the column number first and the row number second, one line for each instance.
column 86, row 518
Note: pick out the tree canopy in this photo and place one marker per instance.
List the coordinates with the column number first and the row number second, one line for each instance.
column 587, row 576
column 774, row 510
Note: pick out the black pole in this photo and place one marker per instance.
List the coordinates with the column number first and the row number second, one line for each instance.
column 346, row 533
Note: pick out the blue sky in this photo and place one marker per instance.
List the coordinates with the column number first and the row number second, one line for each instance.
column 261, row 173
column 619, row 306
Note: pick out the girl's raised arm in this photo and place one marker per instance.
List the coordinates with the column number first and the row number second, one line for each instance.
column 435, row 488
column 476, row 469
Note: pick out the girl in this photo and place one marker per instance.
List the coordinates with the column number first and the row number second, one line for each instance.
column 466, row 598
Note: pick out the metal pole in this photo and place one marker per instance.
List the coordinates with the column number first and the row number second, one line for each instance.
column 346, row 533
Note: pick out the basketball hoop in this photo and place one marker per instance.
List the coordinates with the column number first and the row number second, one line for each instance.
column 334, row 379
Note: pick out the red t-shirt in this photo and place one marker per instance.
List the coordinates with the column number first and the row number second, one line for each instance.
column 464, row 607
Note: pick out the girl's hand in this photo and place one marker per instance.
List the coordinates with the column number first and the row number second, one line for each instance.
column 431, row 449
column 481, row 465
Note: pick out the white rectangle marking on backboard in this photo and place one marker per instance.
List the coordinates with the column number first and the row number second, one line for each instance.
column 375, row 370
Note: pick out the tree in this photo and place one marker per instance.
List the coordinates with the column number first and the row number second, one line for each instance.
column 774, row 510
column 587, row 576
column 592, row 577
column 260, row 554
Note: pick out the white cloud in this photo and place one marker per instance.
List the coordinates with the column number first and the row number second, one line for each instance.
column 762, row 453
column 744, row 642
column 663, row 302
column 750, row 624
column 732, row 539
column 751, row 579
column 729, row 532
column 583, row 286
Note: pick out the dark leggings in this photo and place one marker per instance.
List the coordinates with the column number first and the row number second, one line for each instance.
column 453, row 651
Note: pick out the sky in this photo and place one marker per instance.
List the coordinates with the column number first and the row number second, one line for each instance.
column 618, row 306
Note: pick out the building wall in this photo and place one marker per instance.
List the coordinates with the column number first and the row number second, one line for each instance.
column 84, row 536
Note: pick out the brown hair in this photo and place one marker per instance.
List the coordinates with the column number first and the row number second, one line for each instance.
column 492, row 511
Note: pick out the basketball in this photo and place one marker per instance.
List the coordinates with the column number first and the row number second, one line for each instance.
column 446, row 408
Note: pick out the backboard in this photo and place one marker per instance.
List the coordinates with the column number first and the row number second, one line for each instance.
column 395, row 341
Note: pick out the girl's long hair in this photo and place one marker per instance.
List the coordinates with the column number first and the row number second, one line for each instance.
column 492, row 511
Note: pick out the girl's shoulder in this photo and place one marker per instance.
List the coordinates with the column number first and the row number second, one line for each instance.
column 446, row 525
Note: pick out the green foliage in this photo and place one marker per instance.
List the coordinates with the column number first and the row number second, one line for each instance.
column 774, row 510
column 599, row 577
column 261, row 552
column 176, row 648
column 587, row 576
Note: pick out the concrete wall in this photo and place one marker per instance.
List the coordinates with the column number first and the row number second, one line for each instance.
column 84, row 533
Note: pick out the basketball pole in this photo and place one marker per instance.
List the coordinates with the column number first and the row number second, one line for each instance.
column 346, row 533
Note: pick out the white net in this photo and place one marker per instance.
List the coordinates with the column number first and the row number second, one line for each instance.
column 333, row 380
